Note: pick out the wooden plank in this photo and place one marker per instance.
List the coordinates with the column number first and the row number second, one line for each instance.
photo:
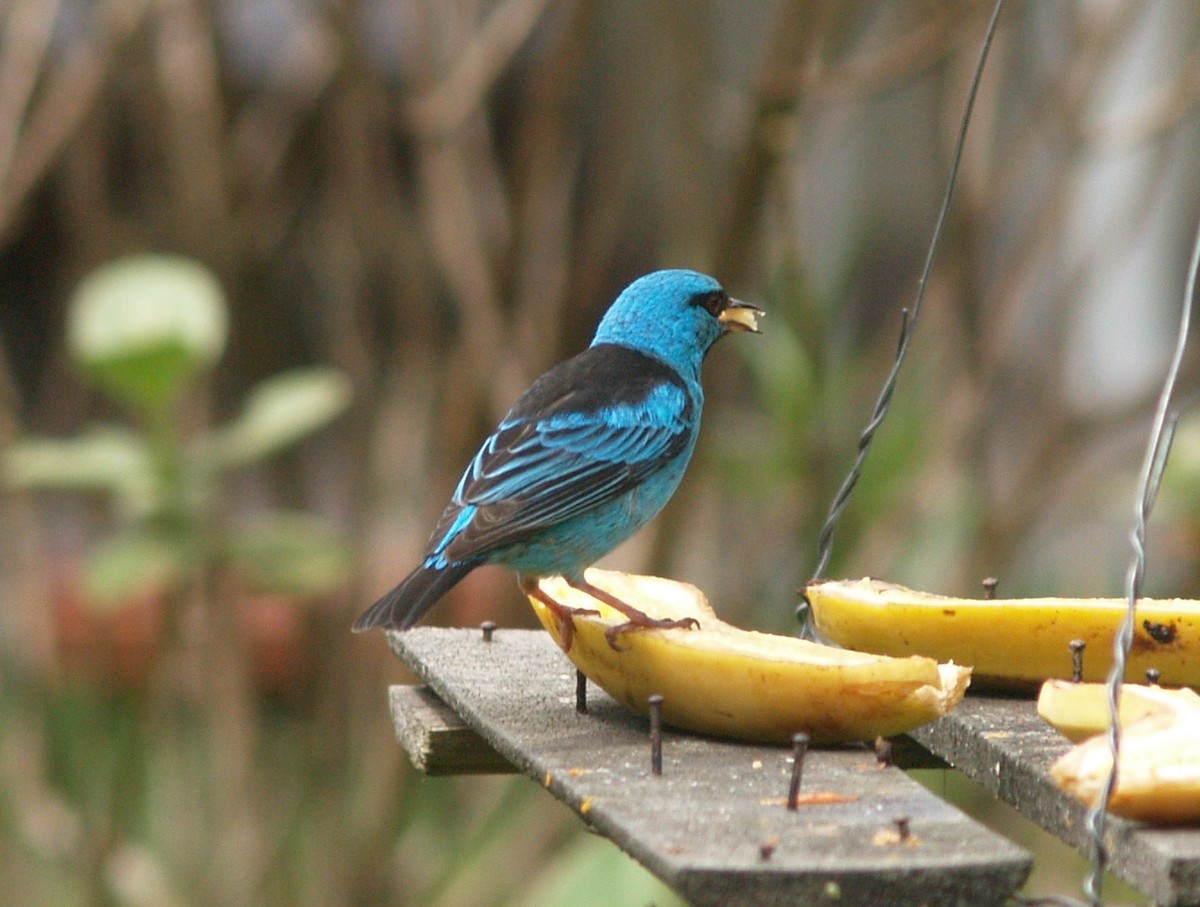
column 1004, row 745
column 713, row 826
column 437, row 741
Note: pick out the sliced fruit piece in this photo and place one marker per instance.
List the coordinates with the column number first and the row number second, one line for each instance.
column 1080, row 710
column 1012, row 643
column 1158, row 777
column 728, row 682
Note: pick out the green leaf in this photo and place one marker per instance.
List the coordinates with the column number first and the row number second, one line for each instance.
column 123, row 567
column 105, row 459
column 290, row 551
column 143, row 325
column 278, row 412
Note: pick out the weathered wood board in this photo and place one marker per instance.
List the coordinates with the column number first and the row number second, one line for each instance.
column 714, row 825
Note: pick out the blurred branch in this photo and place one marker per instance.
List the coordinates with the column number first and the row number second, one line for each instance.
column 70, row 90
column 196, row 158
column 547, row 169
column 22, row 54
column 799, row 30
column 28, row 643
column 1159, row 111
column 461, row 191
column 907, row 50
column 447, row 106
column 266, row 131
column 453, row 221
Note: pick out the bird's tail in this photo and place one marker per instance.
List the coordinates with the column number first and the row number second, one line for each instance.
column 408, row 602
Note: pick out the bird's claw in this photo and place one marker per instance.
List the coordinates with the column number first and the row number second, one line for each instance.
column 638, row 620
column 649, row 623
column 563, row 613
column 566, row 623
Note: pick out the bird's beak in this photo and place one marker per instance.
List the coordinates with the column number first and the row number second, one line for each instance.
column 740, row 316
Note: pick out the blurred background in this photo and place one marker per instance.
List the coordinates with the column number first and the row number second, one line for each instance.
column 398, row 212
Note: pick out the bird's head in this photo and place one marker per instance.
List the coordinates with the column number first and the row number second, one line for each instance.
column 676, row 316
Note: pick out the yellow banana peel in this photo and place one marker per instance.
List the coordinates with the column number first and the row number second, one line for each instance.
column 1158, row 777
column 1011, row 643
column 1080, row 710
column 720, row 680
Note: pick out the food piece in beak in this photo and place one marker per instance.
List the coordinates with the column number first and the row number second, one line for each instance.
column 740, row 316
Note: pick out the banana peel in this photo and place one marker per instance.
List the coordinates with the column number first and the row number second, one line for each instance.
column 727, row 682
column 1011, row 643
column 1158, row 776
column 1080, row 710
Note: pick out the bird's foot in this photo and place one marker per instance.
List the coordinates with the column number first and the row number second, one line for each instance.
column 638, row 620
column 649, row 623
column 564, row 614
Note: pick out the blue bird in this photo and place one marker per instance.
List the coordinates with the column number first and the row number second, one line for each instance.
column 587, row 456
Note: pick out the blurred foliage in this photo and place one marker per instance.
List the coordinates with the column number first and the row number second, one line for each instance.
column 437, row 200
column 144, row 328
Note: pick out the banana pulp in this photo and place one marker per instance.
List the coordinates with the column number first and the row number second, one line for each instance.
column 1080, row 710
column 1158, row 777
column 1011, row 643
column 741, row 684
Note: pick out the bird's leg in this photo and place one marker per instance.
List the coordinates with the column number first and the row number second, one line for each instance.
column 637, row 619
column 566, row 626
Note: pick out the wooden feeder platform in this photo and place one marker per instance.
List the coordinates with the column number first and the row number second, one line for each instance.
column 714, row 825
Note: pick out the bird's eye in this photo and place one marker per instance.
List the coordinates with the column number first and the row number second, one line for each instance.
column 714, row 303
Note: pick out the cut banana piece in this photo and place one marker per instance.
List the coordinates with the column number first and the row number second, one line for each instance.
column 1012, row 643
column 728, row 682
column 1080, row 710
column 1158, row 777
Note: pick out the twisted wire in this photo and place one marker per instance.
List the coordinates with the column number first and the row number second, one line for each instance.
column 1162, row 432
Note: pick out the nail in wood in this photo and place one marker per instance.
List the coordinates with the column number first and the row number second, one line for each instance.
column 799, row 751
column 989, row 587
column 1153, row 675
column 580, row 692
column 655, row 702
column 1077, row 646
column 488, row 627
